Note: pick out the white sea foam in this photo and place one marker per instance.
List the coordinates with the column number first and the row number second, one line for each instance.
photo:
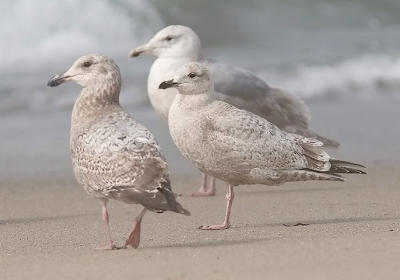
column 43, row 31
column 367, row 75
column 38, row 38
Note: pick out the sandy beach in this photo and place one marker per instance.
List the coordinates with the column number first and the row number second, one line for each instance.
column 341, row 57
column 350, row 231
column 49, row 227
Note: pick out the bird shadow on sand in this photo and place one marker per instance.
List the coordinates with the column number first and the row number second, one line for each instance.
column 309, row 223
column 212, row 243
column 41, row 219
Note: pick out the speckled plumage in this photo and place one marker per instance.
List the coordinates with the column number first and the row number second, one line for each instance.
column 238, row 146
column 236, row 86
column 176, row 45
column 113, row 156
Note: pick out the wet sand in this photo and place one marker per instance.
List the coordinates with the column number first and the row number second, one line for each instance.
column 350, row 231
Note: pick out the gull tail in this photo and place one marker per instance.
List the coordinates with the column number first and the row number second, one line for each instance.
column 157, row 200
column 320, row 162
column 170, row 197
column 341, row 166
column 337, row 168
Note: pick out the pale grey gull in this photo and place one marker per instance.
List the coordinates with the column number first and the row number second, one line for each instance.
column 113, row 156
column 237, row 146
column 176, row 45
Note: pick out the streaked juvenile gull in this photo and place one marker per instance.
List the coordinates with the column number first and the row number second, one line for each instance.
column 237, row 146
column 176, row 45
column 113, row 156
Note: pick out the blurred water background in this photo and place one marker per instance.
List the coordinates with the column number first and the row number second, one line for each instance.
column 341, row 56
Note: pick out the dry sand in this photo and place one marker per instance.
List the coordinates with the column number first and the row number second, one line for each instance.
column 50, row 232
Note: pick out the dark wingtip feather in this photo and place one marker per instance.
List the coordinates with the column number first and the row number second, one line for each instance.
column 340, row 166
column 348, row 170
column 343, row 162
column 170, row 197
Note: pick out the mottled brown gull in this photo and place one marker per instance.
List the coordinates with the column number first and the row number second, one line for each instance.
column 113, row 156
column 238, row 146
column 176, row 45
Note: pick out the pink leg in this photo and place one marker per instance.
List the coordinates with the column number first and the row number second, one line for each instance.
column 207, row 187
column 226, row 224
column 134, row 238
column 110, row 245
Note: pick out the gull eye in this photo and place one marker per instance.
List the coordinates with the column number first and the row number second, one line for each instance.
column 87, row 64
column 192, row 75
column 168, row 38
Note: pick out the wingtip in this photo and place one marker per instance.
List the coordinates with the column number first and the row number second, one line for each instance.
column 344, row 162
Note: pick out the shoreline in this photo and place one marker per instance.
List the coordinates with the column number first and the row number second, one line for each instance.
column 364, row 129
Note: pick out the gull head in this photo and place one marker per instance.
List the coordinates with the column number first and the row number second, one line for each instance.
column 174, row 41
column 191, row 79
column 89, row 70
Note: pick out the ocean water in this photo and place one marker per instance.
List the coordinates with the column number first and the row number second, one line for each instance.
column 332, row 53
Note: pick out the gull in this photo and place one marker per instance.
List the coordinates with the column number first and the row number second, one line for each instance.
column 237, row 146
column 176, row 45
column 113, row 156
